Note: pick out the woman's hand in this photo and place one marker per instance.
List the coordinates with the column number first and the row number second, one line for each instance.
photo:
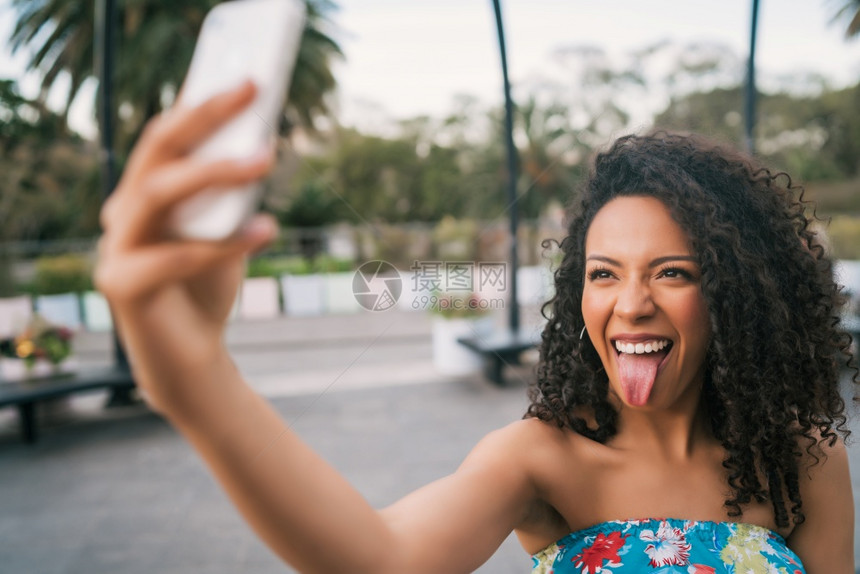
column 171, row 298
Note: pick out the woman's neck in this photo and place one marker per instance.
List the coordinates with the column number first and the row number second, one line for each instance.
column 674, row 434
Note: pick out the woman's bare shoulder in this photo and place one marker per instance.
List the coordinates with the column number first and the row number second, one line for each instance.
column 533, row 432
column 530, row 440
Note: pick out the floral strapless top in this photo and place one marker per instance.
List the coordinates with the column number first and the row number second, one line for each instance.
column 669, row 546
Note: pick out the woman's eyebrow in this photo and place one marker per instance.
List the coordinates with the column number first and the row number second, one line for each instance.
column 603, row 258
column 654, row 262
column 668, row 258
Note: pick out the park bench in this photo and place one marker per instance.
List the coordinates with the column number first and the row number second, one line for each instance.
column 27, row 393
column 499, row 349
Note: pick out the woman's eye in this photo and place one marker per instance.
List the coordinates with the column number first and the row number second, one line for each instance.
column 599, row 274
column 675, row 273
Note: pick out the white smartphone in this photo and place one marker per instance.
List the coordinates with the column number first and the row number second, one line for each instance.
column 242, row 39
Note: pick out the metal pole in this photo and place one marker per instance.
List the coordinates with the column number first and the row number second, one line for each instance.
column 104, row 65
column 514, row 309
column 105, row 44
column 750, row 92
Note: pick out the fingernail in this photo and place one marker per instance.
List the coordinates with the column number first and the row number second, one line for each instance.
column 245, row 84
column 262, row 155
column 259, row 228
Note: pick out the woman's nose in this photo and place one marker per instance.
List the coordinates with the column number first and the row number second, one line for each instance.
column 634, row 301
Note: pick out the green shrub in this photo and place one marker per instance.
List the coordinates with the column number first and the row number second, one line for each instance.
column 329, row 264
column 844, row 236
column 277, row 266
column 456, row 239
column 62, row 274
column 295, row 266
column 271, row 266
column 8, row 286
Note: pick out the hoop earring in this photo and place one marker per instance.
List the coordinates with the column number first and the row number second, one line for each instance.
column 582, row 333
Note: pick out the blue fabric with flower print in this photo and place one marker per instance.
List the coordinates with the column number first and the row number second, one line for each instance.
column 669, row 546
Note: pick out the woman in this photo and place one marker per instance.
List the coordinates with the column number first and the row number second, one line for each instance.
column 687, row 387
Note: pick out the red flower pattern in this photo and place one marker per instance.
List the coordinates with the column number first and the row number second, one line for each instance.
column 604, row 547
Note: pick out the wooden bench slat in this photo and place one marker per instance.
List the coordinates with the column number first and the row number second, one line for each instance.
column 25, row 394
column 501, row 348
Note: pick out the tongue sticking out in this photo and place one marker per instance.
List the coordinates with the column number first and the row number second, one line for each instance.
column 637, row 374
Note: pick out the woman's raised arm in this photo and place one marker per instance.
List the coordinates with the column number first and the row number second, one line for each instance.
column 171, row 300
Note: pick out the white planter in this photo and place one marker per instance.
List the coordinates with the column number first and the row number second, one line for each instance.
column 304, row 295
column 97, row 315
column 449, row 356
column 259, row 298
column 534, row 285
column 339, row 297
column 63, row 309
column 12, row 370
column 15, row 313
column 847, row 273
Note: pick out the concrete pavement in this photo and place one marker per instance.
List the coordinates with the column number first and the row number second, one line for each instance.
column 122, row 492
column 117, row 490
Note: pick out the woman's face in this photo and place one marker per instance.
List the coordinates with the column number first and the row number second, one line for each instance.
column 642, row 303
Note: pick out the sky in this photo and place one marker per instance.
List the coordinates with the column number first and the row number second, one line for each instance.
column 406, row 58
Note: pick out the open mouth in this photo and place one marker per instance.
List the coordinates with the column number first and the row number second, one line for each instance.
column 638, row 364
column 644, row 347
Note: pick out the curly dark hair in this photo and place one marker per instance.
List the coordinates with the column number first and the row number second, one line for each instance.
column 776, row 350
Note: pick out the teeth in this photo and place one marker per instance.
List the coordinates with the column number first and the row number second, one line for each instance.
column 641, row 348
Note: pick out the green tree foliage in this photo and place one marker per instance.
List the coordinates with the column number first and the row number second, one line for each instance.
column 47, row 178
column 715, row 113
column 313, row 206
column 49, row 182
column 61, row 36
column 816, row 138
column 548, row 139
column 380, row 179
column 155, row 46
column 435, row 169
column 837, row 113
column 849, row 12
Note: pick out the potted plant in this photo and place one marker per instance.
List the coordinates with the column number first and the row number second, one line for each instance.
column 455, row 316
column 41, row 349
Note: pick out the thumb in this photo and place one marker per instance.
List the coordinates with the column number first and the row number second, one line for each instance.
column 258, row 233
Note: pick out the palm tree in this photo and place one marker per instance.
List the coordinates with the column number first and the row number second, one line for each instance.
column 61, row 36
column 313, row 77
column 546, row 127
column 156, row 42
column 850, row 12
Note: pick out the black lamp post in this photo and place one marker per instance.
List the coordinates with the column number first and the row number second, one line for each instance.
column 504, row 348
column 750, row 94
column 105, row 43
column 105, row 27
column 514, row 309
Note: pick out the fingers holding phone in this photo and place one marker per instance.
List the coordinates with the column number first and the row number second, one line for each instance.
column 196, row 170
column 162, row 173
column 256, row 39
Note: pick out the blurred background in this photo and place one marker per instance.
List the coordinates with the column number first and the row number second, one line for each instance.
column 392, row 141
column 392, row 147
